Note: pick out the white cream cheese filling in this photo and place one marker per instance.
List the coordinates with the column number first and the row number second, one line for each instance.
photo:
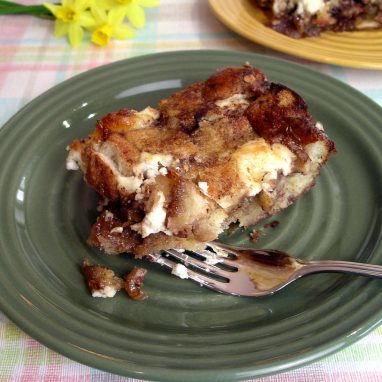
column 107, row 291
column 302, row 6
column 233, row 101
column 258, row 164
column 145, row 118
column 203, row 187
column 73, row 160
column 180, row 270
column 155, row 219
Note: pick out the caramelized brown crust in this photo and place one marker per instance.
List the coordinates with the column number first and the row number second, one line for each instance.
column 185, row 108
column 133, row 283
column 99, row 277
column 281, row 116
column 194, row 158
column 113, row 235
column 225, row 83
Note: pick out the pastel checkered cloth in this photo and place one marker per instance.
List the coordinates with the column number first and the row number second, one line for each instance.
column 33, row 60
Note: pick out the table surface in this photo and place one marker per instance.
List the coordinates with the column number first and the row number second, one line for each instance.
column 32, row 60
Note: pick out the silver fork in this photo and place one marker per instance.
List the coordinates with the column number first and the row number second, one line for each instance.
column 251, row 272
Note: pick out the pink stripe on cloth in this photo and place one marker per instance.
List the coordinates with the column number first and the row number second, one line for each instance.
column 13, row 27
column 38, row 68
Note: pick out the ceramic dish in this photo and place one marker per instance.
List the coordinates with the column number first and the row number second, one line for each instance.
column 183, row 332
column 355, row 49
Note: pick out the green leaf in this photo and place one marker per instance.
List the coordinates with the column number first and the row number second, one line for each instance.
column 5, row 3
column 36, row 10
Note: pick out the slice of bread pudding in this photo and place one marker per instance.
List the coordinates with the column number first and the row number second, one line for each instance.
column 232, row 149
column 304, row 18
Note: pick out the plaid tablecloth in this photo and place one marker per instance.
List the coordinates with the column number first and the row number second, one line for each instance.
column 32, row 60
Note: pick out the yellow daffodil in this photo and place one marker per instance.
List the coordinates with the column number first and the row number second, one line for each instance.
column 109, row 25
column 133, row 9
column 71, row 17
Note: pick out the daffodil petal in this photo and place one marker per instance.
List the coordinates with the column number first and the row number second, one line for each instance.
column 123, row 32
column 99, row 13
column 136, row 15
column 148, row 3
column 53, row 8
column 60, row 28
column 86, row 19
column 116, row 15
column 70, row 3
column 106, row 4
column 76, row 34
column 81, row 4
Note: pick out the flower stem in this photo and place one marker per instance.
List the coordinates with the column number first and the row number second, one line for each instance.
column 35, row 10
column 6, row 3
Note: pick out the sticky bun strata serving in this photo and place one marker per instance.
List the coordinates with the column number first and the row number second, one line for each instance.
column 232, row 149
column 303, row 18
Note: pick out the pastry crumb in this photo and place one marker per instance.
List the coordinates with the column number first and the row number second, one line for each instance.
column 101, row 281
column 133, row 283
column 255, row 235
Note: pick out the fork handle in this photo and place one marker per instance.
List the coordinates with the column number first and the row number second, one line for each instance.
column 362, row 269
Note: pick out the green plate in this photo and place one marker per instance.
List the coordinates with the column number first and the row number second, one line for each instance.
column 183, row 332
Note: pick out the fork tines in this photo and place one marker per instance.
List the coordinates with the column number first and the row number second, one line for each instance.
column 207, row 267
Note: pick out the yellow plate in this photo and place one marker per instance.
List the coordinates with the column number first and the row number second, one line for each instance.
column 355, row 49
